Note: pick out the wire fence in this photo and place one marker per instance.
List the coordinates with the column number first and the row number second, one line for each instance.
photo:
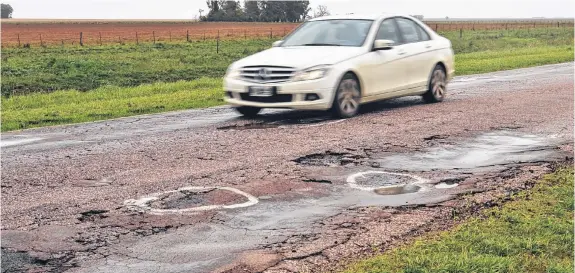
column 133, row 35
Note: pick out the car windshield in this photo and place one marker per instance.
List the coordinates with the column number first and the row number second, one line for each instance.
column 330, row 33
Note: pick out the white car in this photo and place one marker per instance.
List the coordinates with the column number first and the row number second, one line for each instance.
column 338, row 63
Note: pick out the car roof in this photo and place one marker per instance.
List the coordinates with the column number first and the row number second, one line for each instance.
column 357, row 16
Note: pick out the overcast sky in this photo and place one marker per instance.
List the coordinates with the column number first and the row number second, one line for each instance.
column 188, row 9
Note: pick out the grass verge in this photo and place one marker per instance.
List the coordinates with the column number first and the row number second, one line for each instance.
column 533, row 233
column 73, row 106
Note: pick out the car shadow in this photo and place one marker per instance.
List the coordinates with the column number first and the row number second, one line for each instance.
column 295, row 117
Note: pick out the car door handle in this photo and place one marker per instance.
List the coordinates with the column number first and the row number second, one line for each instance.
column 427, row 46
column 401, row 53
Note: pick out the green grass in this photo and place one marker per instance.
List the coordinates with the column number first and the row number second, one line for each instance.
column 48, row 86
column 86, row 68
column 496, row 60
column 72, row 106
column 533, row 233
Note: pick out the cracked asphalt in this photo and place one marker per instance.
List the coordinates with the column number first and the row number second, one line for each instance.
column 64, row 189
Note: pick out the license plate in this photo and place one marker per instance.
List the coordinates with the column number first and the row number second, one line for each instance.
column 261, row 91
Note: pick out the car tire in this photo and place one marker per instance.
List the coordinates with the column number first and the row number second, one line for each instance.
column 346, row 101
column 248, row 111
column 437, row 86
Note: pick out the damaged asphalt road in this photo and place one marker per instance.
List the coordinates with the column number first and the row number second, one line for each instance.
column 206, row 191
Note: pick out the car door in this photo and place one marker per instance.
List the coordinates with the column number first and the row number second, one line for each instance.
column 384, row 70
column 418, row 46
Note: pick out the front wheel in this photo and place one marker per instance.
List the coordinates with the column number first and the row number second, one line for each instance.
column 347, row 97
column 248, row 111
column 437, row 86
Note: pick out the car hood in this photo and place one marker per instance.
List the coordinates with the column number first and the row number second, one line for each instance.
column 301, row 57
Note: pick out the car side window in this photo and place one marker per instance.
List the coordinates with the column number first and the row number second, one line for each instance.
column 388, row 31
column 408, row 30
column 423, row 35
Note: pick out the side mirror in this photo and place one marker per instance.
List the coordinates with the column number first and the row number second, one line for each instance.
column 383, row 44
column 277, row 43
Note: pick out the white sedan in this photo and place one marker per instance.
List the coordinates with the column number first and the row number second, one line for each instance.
column 338, row 63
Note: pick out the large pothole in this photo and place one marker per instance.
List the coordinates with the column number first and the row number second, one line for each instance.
column 329, row 159
column 192, row 199
column 196, row 198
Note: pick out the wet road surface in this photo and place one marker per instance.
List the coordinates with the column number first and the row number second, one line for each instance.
column 204, row 190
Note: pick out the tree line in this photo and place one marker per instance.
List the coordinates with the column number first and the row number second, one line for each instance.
column 261, row 11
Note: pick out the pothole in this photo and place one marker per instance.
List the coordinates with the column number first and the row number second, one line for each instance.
column 192, row 199
column 328, row 159
column 386, row 183
column 195, row 198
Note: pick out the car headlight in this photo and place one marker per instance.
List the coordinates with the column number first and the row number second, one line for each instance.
column 314, row 73
column 233, row 73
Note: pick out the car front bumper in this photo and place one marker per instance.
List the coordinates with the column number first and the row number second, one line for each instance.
column 289, row 94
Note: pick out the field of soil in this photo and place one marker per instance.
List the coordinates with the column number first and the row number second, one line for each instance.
column 20, row 32
column 105, row 32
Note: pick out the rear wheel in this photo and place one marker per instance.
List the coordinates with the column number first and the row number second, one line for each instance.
column 437, row 86
column 347, row 97
column 248, row 111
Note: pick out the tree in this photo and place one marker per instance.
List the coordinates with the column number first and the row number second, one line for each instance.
column 252, row 10
column 232, row 11
column 257, row 10
column 6, row 11
column 321, row 11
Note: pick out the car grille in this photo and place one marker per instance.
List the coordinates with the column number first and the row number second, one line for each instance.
column 266, row 74
column 272, row 99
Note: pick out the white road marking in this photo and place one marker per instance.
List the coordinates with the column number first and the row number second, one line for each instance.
column 351, row 180
column 143, row 204
column 7, row 143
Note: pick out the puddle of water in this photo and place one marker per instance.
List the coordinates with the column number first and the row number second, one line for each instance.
column 486, row 150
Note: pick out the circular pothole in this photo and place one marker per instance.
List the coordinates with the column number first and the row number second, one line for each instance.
column 386, row 183
column 192, row 199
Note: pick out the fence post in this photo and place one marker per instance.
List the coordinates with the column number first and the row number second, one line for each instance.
column 187, row 36
column 41, row 43
column 436, row 27
column 81, row 39
column 245, row 34
column 460, row 33
column 62, row 42
column 120, row 39
column 205, row 35
column 271, row 33
column 170, row 36
column 154, row 36
column 218, row 42
column 100, row 33
column 284, row 31
column 18, row 39
column 137, row 39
